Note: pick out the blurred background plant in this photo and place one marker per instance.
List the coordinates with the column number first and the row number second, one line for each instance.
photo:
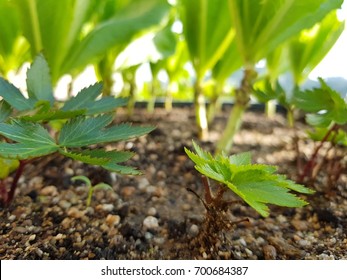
column 175, row 50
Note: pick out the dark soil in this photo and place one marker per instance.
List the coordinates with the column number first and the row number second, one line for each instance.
column 153, row 216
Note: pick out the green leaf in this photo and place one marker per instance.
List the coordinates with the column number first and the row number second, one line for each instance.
column 82, row 178
column 5, row 110
column 308, row 48
column 105, row 105
column 88, row 131
column 39, row 81
column 106, row 159
column 256, row 184
column 207, row 30
column 32, row 140
column 83, row 98
column 319, row 133
column 14, row 97
column 54, row 114
column 261, row 26
column 55, row 27
column 86, row 157
column 116, row 31
column 328, row 105
column 7, row 166
column 241, row 159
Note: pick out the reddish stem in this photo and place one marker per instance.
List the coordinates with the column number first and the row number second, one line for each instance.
column 17, row 175
column 309, row 165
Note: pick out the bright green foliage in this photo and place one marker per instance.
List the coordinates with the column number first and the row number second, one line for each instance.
column 326, row 104
column 7, row 166
column 73, row 34
column 261, row 26
column 14, row 50
column 91, row 188
column 85, row 122
column 31, row 140
column 207, row 30
column 306, row 50
column 339, row 137
column 256, row 184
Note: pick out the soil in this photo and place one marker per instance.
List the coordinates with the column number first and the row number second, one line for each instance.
column 154, row 216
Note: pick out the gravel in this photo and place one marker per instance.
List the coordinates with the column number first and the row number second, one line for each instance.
column 153, row 216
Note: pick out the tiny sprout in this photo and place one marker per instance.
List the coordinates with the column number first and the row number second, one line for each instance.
column 91, row 188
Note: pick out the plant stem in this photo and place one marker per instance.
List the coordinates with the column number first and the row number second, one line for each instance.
column 90, row 194
column 310, row 164
column 270, row 108
column 233, row 126
column 242, row 97
column 17, row 175
column 200, row 111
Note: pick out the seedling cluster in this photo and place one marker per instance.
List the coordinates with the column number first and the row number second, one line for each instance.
column 38, row 126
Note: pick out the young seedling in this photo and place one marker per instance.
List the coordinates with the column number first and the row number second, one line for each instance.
column 91, row 188
column 28, row 126
column 327, row 114
column 256, row 184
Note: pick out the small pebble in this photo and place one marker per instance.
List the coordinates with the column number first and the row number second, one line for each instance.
column 151, row 211
column 128, row 191
column 159, row 240
column 148, row 235
column 49, row 191
column 143, row 183
column 270, row 252
column 324, row 256
column 106, row 207
column 66, row 223
column 74, row 212
column 12, row 218
column 194, row 230
column 20, row 229
column 299, row 225
column 112, row 220
column 248, row 252
column 64, row 204
column 150, row 222
column 186, row 207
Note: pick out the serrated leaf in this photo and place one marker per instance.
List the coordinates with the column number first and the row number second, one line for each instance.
column 241, row 159
column 54, row 114
column 326, row 102
column 26, row 132
column 85, row 157
column 125, row 170
column 14, row 97
column 106, row 159
column 88, row 131
column 39, row 81
column 83, row 98
column 256, row 184
column 32, row 140
column 105, row 105
column 82, row 130
column 25, row 150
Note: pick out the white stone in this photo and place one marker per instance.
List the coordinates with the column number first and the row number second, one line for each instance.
column 150, row 222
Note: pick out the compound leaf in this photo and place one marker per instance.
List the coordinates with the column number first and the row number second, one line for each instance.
column 83, row 98
column 256, row 184
column 32, row 140
column 14, row 97
column 83, row 131
column 39, row 81
column 106, row 159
